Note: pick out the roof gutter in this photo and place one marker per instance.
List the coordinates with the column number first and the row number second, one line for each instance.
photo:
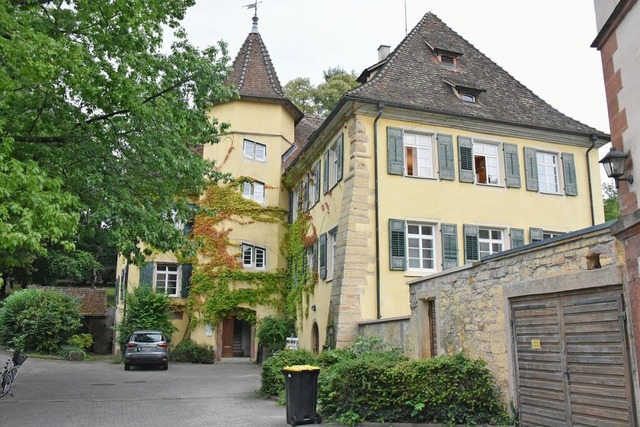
column 375, row 174
column 593, row 137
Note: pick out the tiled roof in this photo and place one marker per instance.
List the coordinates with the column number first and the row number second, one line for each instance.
column 253, row 74
column 93, row 301
column 413, row 77
column 304, row 129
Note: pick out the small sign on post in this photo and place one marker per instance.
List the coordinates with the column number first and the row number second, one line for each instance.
column 292, row 343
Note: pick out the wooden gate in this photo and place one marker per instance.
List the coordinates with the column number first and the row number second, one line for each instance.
column 572, row 364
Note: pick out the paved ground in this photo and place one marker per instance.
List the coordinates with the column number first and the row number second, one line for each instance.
column 55, row 393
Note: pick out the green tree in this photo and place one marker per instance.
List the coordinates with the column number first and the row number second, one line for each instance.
column 611, row 202
column 102, row 122
column 39, row 320
column 145, row 309
column 321, row 99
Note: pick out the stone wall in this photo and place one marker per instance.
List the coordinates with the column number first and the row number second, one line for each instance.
column 392, row 331
column 472, row 302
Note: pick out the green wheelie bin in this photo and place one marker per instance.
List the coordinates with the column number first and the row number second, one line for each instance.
column 301, row 387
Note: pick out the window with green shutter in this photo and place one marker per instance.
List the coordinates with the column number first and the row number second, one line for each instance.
column 146, row 274
column 446, row 163
column 187, row 269
column 536, row 234
column 517, row 237
column 449, row 234
column 395, row 154
column 325, row 176
column 531, row 169
column 323, row 256
column 569, row 170
column 397, row 245
column 465, row 159
column 511, row 165
column 339, row 157
column 471, row 249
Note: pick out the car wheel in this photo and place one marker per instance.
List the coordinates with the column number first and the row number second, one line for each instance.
column 165, row 366
column 127, row 367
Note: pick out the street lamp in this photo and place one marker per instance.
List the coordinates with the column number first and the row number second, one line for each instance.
column 614, row 165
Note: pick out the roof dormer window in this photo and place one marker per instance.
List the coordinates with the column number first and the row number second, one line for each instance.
column 448, row 61
column 468, row 97
column 448, row 58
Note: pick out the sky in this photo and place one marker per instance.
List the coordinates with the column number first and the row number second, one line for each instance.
column 545, row 44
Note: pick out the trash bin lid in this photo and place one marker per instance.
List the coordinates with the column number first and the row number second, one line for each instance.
column 299, row 368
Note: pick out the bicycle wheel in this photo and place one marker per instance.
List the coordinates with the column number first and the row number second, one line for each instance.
column 6, row 380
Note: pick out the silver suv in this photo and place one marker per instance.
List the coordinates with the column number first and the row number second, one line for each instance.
column 147, row 348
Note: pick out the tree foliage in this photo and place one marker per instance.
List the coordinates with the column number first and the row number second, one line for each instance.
column 611, row 202
column 39, row 320
column 98, row 124
column 321, row 99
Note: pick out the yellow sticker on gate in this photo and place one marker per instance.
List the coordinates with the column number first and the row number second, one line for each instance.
column 535, row 344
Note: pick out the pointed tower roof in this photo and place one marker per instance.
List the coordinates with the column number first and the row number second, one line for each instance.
column 253, row 74
column 433, row 66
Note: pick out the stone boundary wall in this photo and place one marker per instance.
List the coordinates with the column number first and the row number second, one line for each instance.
column 392, row 331
column 472, row 303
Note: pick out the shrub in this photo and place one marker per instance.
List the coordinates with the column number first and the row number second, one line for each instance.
column 191, row 351
column 146, row 309
column 382, row 387
column 82, row 341
column 272, row 376
column 273, row 332
column 38, row 320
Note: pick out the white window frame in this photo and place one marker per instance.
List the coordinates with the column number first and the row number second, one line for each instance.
column 420, row 239
column 162, row 269
column 479, row 151
column 547, row 234
column 490, row 241
column 295, row 203
column 549, row 173
column 311, row 176
column 333, row 165
column 254, row 150
column 253, row 190
column 332, row 237
column 253, row 257
column 422, row 157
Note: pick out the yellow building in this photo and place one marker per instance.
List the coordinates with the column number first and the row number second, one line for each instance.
column 437, row 159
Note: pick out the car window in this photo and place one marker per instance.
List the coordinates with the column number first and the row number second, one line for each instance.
column 147, row 337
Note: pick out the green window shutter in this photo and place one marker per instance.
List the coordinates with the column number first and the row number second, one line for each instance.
column 446, row 164
column 517, row 237
column 291, row 207
column 187, row 269
column 340, row 159
column 305, row 265
column 511, row 165
column 569, row 169
column 314, row 257
column 465, row 159
column 536, row 234
column 323, row 256
column 146, row 274
column 325, row 178
column 316, row 177
column 397, row 245
column 395, row 153
column 471, row 250
column 531, row 169
column 449, row 246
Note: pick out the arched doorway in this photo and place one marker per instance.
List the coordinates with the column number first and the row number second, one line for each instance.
column 315, row 338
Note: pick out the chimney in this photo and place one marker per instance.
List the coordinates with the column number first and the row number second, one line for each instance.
column 383, row 52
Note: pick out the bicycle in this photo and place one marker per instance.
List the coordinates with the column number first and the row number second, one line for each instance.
column 10, row 372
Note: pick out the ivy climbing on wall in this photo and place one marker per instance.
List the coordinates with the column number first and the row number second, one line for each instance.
column 301, row 277
column 219, row 284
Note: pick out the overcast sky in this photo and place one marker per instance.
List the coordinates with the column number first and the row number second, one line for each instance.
column 545, row 44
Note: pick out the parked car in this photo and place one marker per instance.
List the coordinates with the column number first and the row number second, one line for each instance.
column 147, row 348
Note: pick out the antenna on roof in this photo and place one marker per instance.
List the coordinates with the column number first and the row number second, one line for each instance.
column 405, row 18
column 254, row 6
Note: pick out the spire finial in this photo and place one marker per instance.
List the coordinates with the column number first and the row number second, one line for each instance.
column 254, row 6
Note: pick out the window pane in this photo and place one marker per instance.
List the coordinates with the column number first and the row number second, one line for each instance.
column 248, row 148
column 260, row 257
column 258, row 192
column 246, row 190
column 247, row 254
column 261, row 152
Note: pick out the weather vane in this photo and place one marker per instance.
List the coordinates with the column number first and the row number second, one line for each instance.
column 254, row 5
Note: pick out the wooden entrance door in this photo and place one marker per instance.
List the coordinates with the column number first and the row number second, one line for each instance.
column 572, row 361
column 227, row 337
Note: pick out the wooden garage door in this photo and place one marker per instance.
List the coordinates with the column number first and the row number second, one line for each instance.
column 571, row 361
